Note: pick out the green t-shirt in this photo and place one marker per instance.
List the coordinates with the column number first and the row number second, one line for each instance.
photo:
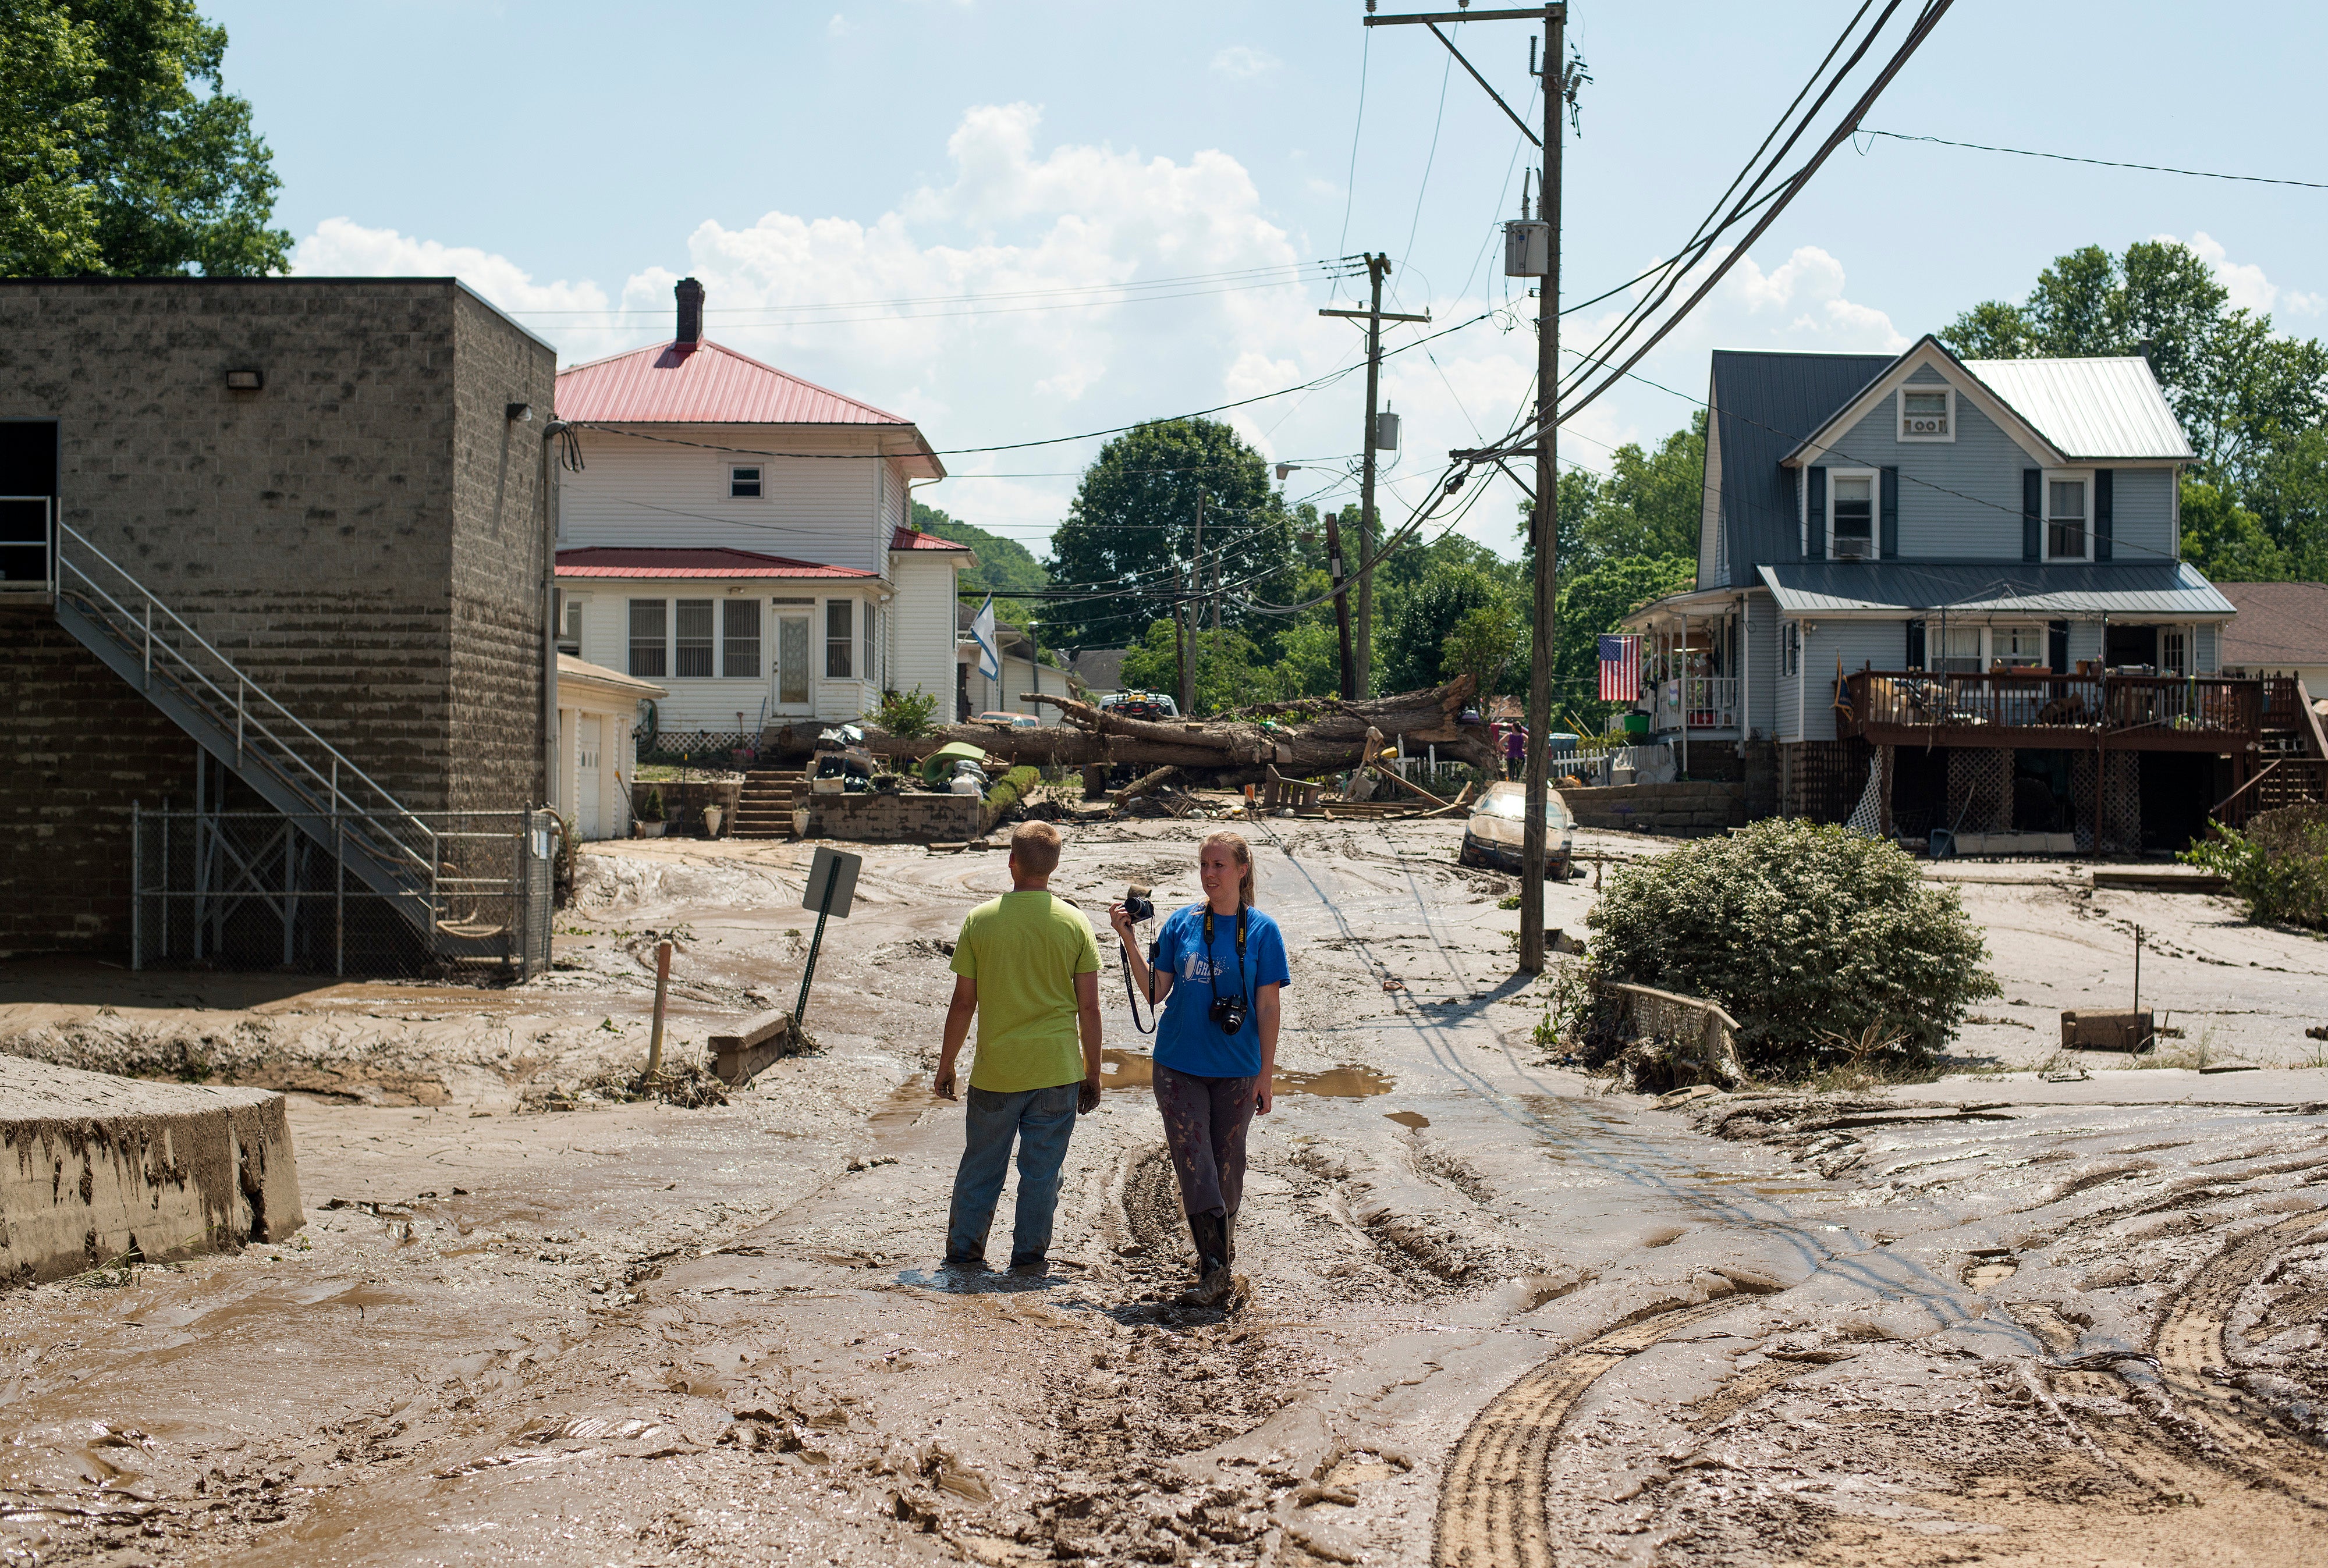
column 1024, row 951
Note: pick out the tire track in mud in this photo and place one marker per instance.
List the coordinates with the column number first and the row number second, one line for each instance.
column 1492, row 1503
column 2189, row 1345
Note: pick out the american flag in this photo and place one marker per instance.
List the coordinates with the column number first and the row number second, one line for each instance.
column 1620, row 667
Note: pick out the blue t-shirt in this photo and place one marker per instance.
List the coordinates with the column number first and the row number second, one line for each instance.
column 1187, row 1038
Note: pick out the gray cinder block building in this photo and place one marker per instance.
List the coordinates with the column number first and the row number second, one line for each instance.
column 275, row 556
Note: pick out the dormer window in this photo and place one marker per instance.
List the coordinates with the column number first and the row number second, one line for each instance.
column 1928, row 414
column 744, row 482
column 1851, row 515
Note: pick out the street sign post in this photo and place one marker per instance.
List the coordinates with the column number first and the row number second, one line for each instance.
column 831, row 884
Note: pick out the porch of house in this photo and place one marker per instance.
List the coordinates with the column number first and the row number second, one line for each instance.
column 1692, row 669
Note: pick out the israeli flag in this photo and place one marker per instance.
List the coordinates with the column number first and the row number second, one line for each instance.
column 989, row 656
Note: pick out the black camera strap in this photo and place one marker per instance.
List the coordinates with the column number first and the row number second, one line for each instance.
column 1131, row 992
column 1245, row 997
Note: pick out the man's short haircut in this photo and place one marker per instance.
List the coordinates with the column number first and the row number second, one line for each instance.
column 1035, row 846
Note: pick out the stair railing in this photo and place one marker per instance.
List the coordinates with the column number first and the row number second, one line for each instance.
column 317, row 772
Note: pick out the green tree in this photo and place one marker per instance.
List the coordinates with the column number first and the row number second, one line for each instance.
column 1131, row 530
column 1651, row 503
column 182, row 183
column 1415, row 647
column 1597, row 602
column 49, row 113
column 122, row 150
column 1230, row 672
column 2225, row 540
column 1481, row 646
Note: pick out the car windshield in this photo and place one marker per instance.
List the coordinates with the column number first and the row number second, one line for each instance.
column 1513, row 804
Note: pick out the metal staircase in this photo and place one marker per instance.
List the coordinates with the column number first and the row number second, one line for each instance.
column 319, row 792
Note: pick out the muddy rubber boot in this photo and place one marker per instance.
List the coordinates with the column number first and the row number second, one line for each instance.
column 1214, row 1281
column 1228, row 1239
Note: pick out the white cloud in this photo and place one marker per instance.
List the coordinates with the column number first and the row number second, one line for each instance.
column 341, row 248
column 837, row 27
column 1021, row 226
column 1243, row 62
column 2249, row 288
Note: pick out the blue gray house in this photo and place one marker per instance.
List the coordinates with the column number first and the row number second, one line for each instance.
column 1961, row 579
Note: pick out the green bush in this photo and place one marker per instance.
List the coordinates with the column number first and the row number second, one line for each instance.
column 1809, row 936
column 650, row 809
column 905, row 715
column 2279, row 865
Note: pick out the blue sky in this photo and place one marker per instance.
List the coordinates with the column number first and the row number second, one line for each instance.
column 577, row 158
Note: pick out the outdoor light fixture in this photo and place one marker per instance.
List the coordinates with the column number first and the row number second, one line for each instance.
column 244, row 381
column 520, row 412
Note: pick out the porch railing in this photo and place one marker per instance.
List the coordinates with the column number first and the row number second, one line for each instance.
column 1702, row 702
column 2191, row 706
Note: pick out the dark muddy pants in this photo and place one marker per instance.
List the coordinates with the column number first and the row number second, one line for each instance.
column 1205, row 1122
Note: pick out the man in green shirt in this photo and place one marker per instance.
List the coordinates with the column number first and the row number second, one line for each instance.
column 1027, row 966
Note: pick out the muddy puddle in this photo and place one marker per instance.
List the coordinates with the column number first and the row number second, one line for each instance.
column 1127, row 1069
column 1412, row 1121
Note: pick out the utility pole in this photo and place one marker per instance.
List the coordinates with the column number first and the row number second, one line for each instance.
column 1360, row 681
column 1547, row 506
column 1345, row 670
column 1544, row 530
column 1190, row 612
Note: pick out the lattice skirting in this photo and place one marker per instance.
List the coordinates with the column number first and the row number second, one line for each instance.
column 1980, row 790
column 2108, row 800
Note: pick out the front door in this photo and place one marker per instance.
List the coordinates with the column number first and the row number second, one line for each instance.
column 794, row 693
column 590, row 738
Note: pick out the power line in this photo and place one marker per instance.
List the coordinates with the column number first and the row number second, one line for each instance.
column 1270, row 276
column 2098, row 163
column 1350, row 183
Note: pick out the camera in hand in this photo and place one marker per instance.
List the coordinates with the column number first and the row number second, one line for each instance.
column 1136, row 905
column 1229, row 1013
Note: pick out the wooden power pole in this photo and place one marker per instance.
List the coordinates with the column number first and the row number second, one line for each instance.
column 1544, row 522
column 1360, row 682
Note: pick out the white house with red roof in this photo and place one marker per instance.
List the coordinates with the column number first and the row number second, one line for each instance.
column 737, row 536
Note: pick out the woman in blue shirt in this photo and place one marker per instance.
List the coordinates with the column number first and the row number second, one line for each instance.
column 1216, row 969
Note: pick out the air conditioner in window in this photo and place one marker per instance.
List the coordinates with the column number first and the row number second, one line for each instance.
column 1854, row 549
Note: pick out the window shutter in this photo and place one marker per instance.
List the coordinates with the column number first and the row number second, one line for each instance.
column 2057, row 646
column 1890, row 548
column 1915, row 645
column 2105, row 483
column 2032, row 514
column 1816, row 478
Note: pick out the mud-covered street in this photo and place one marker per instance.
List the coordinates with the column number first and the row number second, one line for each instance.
column 2045, row 1308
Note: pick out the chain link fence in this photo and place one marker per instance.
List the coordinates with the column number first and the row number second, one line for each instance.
column 260, row 889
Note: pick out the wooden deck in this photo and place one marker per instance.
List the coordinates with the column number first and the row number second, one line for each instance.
column 2040, row 709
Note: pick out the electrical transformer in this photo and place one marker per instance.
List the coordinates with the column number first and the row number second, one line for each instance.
column 1527, row 248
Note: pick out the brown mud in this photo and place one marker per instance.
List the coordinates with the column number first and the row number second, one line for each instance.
column 1499, row 1316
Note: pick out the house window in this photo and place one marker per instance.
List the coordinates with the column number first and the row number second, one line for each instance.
column 693, row 654
column 1960, row 650
column 744, row 482
column 2019, row 646
column 2174, row 651
column 570, row 639
column 739, row 648
column 1850, row 515
column 839, row 637
column 1927, row 415
column 1790, row 649
column 2066, row 538
column 648, row 654
column 872, row 641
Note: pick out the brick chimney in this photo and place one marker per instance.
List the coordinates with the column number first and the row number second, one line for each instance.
column 691, row 312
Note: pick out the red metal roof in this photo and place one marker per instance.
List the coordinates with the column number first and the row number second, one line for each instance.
column 614, row 561
column 707, row 384
column 912, row 539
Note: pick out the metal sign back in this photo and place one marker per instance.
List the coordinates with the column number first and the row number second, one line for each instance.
column 835, row 869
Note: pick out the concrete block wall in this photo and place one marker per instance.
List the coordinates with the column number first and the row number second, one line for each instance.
column 903, row 818
column 1695, row 809
column 79, row 746
column 353, row 535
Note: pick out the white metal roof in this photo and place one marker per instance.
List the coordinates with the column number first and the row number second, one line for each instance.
column 2089, row 407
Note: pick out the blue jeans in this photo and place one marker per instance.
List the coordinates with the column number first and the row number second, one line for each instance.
column 1041, row 1120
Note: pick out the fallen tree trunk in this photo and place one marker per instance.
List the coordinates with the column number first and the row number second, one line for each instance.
column 1300, row 739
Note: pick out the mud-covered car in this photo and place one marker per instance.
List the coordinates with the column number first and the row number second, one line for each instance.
column 1493, row 837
